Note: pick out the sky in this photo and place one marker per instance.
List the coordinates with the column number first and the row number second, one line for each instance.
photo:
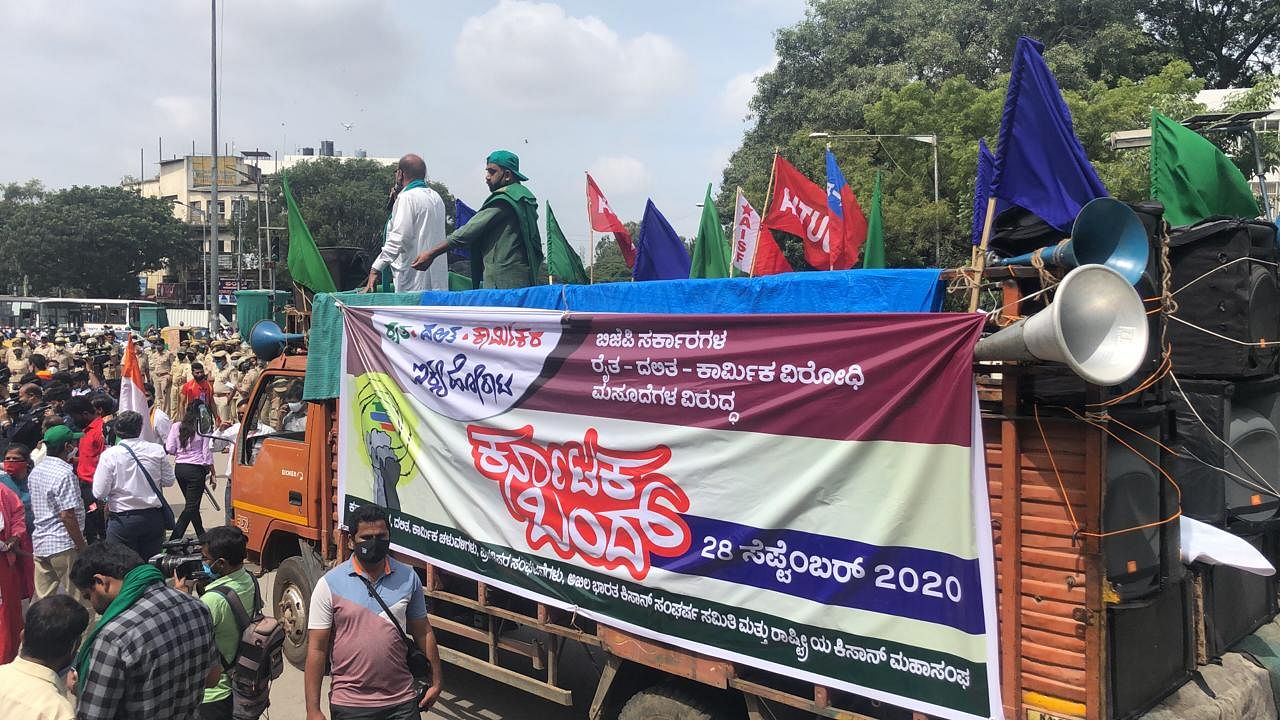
column 650, row 97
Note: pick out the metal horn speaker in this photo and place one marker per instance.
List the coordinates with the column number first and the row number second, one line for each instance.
column 1096, row 325
column 268, row 340
column 1106, row 232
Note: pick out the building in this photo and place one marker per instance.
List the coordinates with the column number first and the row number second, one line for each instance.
column 242, row 261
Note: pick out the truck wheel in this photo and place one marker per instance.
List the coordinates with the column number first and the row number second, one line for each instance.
column 292, row 600
column 672, row 701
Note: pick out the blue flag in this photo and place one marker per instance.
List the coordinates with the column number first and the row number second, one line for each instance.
column 835, row 186
column 1042, row 165
column 662, row 254
column 982, row 189
column 462, row 214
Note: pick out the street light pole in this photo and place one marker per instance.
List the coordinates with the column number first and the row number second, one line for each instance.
column 215, row 318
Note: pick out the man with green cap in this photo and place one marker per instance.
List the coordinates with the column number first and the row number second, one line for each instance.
column 503, row 238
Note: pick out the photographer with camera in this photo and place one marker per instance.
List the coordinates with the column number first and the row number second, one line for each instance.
column 20, row 419
column 128, row 479
column 150, row 654
column 222, row 550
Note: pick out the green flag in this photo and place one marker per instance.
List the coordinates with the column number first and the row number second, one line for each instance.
column 710, row 249
column 1192, row 178
column 873, row 251
column 305, row 264
column 563, row 263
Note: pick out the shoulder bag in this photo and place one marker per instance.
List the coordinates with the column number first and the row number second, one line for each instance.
column 169, row 522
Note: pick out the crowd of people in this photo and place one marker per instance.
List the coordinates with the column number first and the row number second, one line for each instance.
column 90, row 627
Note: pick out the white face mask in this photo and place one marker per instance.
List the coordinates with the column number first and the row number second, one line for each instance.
column 293, row 407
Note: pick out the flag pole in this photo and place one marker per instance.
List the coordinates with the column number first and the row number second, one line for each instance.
column 980, row 254
column 831, row 261
column 768, row 198
column 591, row 238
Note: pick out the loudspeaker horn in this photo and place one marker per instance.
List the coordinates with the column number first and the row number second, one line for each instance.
column 268, row 340
column 1096, row 325
column 1106, row 232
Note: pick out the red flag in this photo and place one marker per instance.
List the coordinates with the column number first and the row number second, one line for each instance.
column 603, row 220
column 799, row 206
column 769, row 259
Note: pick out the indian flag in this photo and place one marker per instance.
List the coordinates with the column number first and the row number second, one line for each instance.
column 132, row 395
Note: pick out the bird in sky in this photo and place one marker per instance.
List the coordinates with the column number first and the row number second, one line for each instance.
column 347, row 126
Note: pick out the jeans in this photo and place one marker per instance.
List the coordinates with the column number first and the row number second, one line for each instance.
column 191, row 479
column 218, row 710
column 141, row 530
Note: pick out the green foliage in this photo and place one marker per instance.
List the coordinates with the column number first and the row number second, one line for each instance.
column 87, row 241
column 1229, row 43
column 344, row 202
column 609, row 265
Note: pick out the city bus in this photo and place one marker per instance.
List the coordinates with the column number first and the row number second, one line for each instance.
column 91, row 314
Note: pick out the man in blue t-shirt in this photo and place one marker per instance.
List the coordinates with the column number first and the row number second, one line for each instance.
column 369, row 679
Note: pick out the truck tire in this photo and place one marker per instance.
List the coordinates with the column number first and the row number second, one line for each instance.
column 672, row 701
column 292, row 599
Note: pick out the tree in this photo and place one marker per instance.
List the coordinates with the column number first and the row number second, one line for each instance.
column 344, row 202
column 925, row 67
column 87, row 241
column 609, row 265
column 1229, row 43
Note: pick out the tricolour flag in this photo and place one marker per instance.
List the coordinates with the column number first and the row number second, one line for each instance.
column 754, row 252
column 132, row 394
column 603, row 219
column 304, row 261
column 662, row 254
column 799, row 207
column 844, row 208
column 1041, row 164
column 1193, row 178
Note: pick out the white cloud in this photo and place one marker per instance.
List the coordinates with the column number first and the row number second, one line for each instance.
column 526, row 55
column 737, row 93
column 620, row 175
column 182, row 112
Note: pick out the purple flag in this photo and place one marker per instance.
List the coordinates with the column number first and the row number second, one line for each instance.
column 462, row 214
column 662, row 255
column 982, row 189
column 1041, row 166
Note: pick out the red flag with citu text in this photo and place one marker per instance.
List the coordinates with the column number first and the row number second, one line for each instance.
column 799, row 206
column 604, row 220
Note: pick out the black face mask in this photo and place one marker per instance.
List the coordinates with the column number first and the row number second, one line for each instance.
column 373, row 550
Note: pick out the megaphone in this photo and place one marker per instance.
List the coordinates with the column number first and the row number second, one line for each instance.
column 268, row 340
column 1096, row 325
column 1106, row 232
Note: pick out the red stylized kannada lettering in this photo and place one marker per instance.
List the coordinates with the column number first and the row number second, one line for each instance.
column 609, row 507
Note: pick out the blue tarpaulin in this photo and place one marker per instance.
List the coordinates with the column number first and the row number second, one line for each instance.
column 844, row 291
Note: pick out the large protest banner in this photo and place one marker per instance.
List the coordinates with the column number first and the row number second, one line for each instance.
column 799, row 493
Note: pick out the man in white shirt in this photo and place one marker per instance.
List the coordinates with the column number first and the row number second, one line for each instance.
column 125, row 478
column 416, row 225
column 160, row 420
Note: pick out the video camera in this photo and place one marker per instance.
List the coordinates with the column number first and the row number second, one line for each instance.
column 181, row 557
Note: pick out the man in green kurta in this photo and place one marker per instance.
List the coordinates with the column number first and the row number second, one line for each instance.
column 503, row 239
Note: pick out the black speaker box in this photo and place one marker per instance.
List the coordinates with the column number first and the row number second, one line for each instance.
column 349, row 266
column 1243, row 414
column 1238, row 299
column 1152, row 650
column 1140, row 562
column 1236, row 602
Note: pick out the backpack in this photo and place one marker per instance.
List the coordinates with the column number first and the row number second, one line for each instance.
column 259, row 657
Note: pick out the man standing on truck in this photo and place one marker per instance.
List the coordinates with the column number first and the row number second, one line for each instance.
column 370, row 678
column 416, row 224
column 503, row 238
